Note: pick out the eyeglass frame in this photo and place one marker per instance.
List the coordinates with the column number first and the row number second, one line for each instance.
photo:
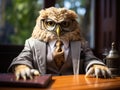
column 42, row 21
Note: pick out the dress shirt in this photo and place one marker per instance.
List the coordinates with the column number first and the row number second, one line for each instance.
column 65, row 47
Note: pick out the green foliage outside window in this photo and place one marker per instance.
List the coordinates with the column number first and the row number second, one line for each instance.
column 22, row 14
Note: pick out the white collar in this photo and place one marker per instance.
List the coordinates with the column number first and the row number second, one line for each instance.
column 52, row 43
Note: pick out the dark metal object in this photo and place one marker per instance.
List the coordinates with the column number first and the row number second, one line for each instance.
column 113, row 60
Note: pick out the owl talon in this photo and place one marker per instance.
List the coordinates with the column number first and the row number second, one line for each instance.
column 24, row 72
column 99, row 71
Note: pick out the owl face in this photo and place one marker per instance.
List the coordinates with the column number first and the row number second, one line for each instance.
column 57, row 28
column 56, row 23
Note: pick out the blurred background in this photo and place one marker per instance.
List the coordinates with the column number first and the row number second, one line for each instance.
column 17, row 19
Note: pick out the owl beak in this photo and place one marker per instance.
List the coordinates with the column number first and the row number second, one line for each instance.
column 58, row 30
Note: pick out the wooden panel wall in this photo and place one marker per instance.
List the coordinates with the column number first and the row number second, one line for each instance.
column 105, row 25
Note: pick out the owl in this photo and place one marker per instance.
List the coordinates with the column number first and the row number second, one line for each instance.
column 39, row 57
column 57, row 23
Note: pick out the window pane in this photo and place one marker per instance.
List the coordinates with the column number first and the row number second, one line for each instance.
column 17, row 20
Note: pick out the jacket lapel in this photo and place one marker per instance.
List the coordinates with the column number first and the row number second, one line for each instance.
column 75, row 53
column 41, row 56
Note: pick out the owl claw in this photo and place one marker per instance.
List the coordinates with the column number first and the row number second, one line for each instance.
column 90, row 72
column 25, row 72
column 35, row 72
column 99, row 71
column 17, row 76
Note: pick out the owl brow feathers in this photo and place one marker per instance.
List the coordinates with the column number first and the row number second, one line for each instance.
column 52, row 13
column 58, row 13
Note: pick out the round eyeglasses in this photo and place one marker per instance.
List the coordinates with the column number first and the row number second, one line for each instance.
column 50, row 25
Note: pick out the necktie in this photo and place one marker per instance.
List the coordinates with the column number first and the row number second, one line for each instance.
column 58, row 54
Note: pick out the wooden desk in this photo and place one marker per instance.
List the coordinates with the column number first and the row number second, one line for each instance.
column 78, row 82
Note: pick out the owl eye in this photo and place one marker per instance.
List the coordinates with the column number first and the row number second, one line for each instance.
column 65, row 24
column 50, row 23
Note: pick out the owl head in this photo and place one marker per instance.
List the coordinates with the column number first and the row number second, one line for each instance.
column 57, row 23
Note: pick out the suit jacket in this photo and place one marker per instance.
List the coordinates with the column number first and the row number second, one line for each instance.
column 34, row 55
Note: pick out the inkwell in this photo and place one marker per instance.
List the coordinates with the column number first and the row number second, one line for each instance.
column 112, row 60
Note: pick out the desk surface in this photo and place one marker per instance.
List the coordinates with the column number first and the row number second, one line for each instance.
column 78, row 82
